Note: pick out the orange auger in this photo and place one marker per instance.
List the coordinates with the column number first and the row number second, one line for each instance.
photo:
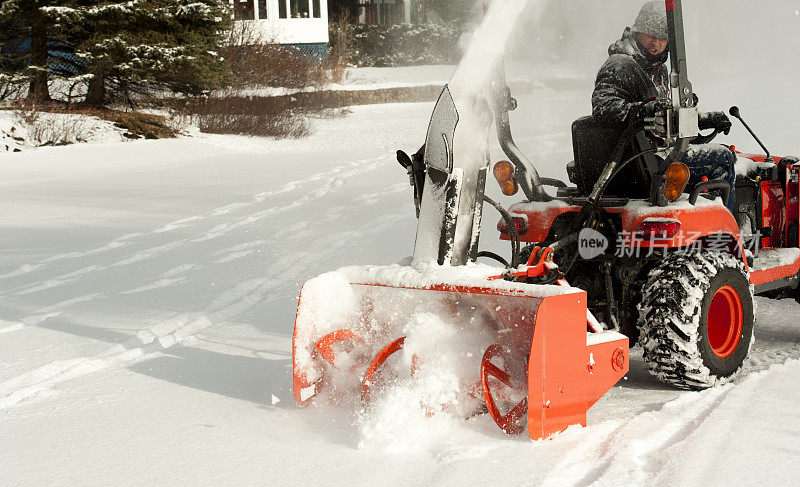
column 386, row 352
column 542, row 358
column 323, row 351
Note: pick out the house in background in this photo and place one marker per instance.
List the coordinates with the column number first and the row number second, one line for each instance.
column 390, row 12
column 301, row 24
column 387, row 12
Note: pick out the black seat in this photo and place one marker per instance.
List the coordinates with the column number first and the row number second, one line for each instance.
column 593, row 144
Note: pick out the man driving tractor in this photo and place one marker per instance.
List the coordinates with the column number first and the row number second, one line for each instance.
column 634, row 83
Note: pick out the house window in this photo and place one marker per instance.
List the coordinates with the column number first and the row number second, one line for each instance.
column 243, row 10
column 262, row 9
column 300, row 9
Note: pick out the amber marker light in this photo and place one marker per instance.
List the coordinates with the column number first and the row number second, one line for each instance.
column 504, row 174
column 676, row 178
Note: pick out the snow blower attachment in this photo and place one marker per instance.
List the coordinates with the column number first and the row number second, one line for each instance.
column 485, row 336
column 531, row 357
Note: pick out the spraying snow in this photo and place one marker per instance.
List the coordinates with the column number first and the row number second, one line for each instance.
column 417, row 409
column 471, row 87
column 450, row 346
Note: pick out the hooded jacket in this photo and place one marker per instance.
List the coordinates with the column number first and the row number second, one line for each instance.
column 630, row 77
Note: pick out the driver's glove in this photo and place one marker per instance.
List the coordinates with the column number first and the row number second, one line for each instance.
column 653, row 114
column 715, row 120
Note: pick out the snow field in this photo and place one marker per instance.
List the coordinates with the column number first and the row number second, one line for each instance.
column 149, row 290
column 198, row 361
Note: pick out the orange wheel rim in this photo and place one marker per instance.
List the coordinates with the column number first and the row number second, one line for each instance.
column 725, row 321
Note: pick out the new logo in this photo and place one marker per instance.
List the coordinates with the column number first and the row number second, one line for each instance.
column 591, row 243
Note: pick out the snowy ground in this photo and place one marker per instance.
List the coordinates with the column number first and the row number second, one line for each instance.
column 149, row 290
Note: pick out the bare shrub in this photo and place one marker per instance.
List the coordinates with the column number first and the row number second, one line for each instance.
column 258, row 61
column 341, row 46
column 286, row 126
column 255, row 59
column 237, row 115
column 47, row 128
column 179, row 122
column 52, row 127
column 27, row 111
column 49, row 124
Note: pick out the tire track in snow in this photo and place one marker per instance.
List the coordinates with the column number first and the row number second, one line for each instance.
column 631, row 439
column 45, row 314
column 333, row 182
column 630, row 449
column 169, row 278
column 167, row 333
column 70, row 277
column 239, row 251
column 158, row 284
column 372, row 198
column 354, row 168
column 226, row 228
column 28, row 268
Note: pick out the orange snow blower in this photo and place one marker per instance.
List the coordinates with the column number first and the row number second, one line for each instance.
column 349, row 323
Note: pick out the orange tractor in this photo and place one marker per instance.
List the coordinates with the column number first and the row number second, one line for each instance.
column 537, row 342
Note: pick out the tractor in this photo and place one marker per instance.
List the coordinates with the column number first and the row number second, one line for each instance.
column 628, row 254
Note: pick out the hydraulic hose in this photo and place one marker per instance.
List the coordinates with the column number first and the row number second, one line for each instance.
column 512, row 230
column 590, row 210
column 618, row 169
column 492, row 255
column 526, row 174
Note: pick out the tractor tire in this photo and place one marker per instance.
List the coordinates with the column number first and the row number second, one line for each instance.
column 696, row 318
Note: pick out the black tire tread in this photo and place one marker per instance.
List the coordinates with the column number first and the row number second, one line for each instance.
column 669, row 316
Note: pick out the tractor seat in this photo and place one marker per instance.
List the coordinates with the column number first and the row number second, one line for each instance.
column 593, row 144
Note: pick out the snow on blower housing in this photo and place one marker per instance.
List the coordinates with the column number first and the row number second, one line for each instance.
column 537, row 342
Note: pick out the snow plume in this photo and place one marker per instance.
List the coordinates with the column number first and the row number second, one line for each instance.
column 488, row 44
column 409, row 412
column 422, row 392
column 412, row 412
column 419, row 397
column 471, row 83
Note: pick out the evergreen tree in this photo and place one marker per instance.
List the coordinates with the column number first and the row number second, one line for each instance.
column 126, row 45
column 23, row 22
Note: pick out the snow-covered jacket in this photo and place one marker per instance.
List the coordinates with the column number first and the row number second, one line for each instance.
column 630, row 76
